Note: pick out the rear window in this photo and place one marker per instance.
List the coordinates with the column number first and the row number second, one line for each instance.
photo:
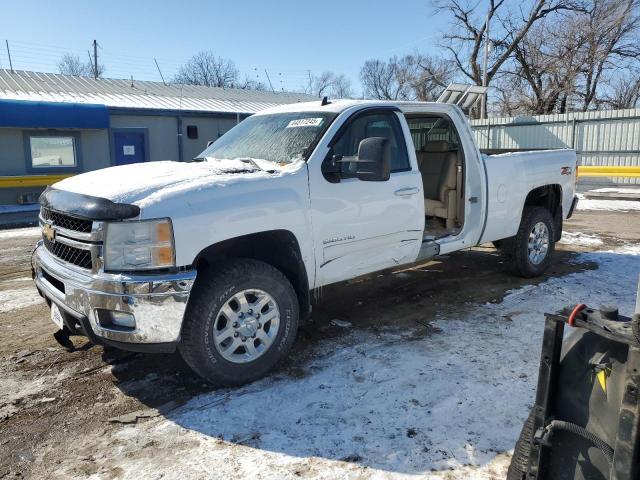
column 433, row 129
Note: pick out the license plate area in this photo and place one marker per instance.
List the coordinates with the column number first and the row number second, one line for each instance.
column 56, row 316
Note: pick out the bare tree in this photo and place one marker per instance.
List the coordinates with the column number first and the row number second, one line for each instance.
column 465, row 40
column 206, row 69
column 72, row 65
column 412, row 77
column 320, row 84
column 610, row 39
column 382, row 80
column 544, row 75
column 341, row 87
column 567, row 62
column 428, row 76
column 624, row 93
column 248, row 84
column 329, row 84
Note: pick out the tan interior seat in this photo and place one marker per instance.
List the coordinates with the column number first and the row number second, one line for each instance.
column 438, row 167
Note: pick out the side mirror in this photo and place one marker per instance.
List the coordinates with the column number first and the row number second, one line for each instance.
column 374, row 160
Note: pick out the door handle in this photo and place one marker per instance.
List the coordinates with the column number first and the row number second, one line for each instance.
column 405, row 192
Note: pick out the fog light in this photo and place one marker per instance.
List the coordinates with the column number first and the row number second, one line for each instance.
column 122, row 319
column 116, row 320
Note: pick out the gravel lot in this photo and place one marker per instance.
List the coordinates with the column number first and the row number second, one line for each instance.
column 427, row 373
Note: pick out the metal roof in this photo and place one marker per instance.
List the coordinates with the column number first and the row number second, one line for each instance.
column 52, row 87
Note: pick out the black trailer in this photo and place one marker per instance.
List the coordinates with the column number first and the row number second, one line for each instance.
column 585, row 424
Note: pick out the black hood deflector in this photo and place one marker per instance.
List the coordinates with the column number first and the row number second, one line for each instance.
column 86, row 206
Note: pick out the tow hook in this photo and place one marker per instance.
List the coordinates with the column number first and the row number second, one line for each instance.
column 63, row 338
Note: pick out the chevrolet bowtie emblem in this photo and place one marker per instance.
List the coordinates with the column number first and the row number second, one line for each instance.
column 48, row 232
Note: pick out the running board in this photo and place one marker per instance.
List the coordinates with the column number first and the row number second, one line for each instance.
column 429, row 249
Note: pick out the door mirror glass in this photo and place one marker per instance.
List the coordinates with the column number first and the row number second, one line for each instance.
column 373, row 163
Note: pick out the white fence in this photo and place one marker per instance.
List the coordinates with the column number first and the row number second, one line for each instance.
column 607, row 137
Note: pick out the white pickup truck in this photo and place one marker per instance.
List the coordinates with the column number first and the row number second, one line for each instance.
column 217, row 257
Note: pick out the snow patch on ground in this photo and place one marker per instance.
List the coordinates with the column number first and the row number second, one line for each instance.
column 607, row 205
column 21, row 297
column 617, row 190
column 390, row 405
column 580, row 239
column 17, row 387
column 20, row 233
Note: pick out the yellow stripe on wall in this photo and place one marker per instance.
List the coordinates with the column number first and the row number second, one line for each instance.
column 605, row 171
column 31, row 180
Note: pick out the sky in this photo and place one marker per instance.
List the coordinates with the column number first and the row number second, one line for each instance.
column 287, row 38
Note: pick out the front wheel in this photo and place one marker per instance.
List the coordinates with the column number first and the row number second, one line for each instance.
column 534, row 243
column 241, row 321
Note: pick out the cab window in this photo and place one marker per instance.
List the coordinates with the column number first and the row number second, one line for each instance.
column 384, row 125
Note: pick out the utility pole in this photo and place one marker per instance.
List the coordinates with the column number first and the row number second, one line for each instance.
column 310, row 83
column 95, row 59
column 9, row 55
column 485, row 61
column 159, row 71
column 270, row 84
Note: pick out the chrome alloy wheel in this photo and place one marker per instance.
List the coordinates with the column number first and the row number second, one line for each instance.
column 538, row 243
column 246, row 326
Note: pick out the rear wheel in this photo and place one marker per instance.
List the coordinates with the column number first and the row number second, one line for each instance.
column 534, row 243
column 241, row 321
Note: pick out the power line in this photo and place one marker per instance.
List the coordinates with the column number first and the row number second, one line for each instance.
column 45, row 58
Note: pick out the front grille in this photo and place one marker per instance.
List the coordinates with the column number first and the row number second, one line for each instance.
column 73, row 255
column 66, row 221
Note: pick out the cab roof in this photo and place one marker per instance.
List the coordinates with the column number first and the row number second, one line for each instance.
column 338, row 106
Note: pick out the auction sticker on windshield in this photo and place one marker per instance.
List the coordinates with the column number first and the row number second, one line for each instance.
column 305, row 122
column 56, row 316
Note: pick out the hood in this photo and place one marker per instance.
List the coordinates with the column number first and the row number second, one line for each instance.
column 143, row 184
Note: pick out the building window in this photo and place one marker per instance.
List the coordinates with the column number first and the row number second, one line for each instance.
column 192, row 131
column 52, row 152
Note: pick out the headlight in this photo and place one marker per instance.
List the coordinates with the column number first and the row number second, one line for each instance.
column 141, row 245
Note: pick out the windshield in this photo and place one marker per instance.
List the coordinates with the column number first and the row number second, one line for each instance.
column 282, row 138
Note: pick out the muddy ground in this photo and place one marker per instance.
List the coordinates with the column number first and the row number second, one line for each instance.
column 50, row 399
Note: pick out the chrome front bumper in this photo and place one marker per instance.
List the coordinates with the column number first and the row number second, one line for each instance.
column 157, row 301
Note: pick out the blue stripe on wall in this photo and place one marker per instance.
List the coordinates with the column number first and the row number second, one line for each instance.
column 23, row 113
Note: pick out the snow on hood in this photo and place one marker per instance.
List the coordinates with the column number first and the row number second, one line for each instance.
column 146, row 183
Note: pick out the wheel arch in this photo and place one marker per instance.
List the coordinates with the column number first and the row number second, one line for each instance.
column 278, row 248
column 549, row 197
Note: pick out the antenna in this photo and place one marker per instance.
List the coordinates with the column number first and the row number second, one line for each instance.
column 325, row 101
column 95, row 59
column 159, row 71
column 270, row 84
column 90, row 62
column 9, row 55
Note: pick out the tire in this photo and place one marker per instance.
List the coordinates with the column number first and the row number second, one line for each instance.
column 520, row 460
column 227, row 363
column 531, row 263
column 505, row 246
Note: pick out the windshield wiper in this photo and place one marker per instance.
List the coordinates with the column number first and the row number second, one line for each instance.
column 253, row 163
